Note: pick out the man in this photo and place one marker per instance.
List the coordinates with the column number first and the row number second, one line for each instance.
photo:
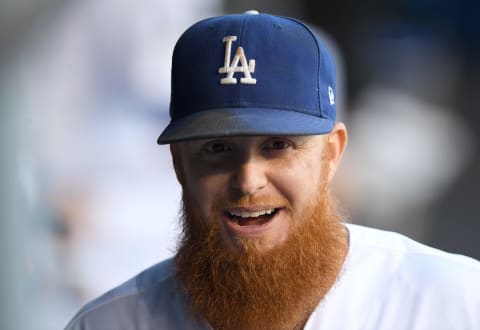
column 255, row 146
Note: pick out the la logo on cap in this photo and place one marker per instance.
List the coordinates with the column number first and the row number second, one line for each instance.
column 231, row 67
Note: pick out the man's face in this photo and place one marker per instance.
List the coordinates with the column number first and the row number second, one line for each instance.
column 254, row 188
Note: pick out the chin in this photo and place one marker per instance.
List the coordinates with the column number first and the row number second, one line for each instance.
column 261, row 244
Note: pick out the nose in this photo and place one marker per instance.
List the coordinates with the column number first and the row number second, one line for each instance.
column 248, row 177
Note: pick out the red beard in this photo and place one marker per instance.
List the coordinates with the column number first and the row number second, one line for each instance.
column 277, row 289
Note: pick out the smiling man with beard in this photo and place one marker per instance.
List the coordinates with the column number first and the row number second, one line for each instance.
column 255, row 146
column 261, row 228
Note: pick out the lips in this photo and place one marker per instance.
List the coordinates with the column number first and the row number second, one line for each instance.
column 252, row 218
column 247, row 214
column 250, row 221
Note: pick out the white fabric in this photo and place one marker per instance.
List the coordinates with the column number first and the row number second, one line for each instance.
column 392, row 282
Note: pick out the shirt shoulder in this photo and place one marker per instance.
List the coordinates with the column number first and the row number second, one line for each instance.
column 394, row 280
column 150, row 300
column 397, row 250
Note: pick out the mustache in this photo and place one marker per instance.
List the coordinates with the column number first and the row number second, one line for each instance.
column 250, row 201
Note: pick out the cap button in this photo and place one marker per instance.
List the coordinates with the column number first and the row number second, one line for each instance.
column 252, row 12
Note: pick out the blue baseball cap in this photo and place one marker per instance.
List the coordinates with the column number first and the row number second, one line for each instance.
column 250, row 74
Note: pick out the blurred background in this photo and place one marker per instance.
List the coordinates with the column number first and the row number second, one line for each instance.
column 87, row 197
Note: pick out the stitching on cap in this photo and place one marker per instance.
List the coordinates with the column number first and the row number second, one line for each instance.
column 315, row 40
column 242, row 29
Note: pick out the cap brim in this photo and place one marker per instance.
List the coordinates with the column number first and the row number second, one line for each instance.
column 244, row 121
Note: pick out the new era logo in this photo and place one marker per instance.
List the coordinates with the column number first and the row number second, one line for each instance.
column 231, row 67
column 331, row 95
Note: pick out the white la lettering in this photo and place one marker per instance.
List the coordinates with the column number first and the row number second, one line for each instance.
column 231, row 68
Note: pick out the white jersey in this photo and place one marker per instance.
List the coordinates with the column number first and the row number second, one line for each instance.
column 392, row 282
column 388, row 282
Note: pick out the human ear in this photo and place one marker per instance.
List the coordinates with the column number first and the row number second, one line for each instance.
column 336, row 144
column 177, row 163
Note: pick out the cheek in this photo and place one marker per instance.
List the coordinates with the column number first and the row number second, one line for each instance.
column 205, row 191
column 299, row 182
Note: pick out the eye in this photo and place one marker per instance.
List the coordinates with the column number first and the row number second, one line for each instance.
column 277, row 144
column 216, row 147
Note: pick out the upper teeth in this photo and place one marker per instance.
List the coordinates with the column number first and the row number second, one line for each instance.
column 245, row 214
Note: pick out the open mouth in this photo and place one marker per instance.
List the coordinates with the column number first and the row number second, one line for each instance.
column 252, row 218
